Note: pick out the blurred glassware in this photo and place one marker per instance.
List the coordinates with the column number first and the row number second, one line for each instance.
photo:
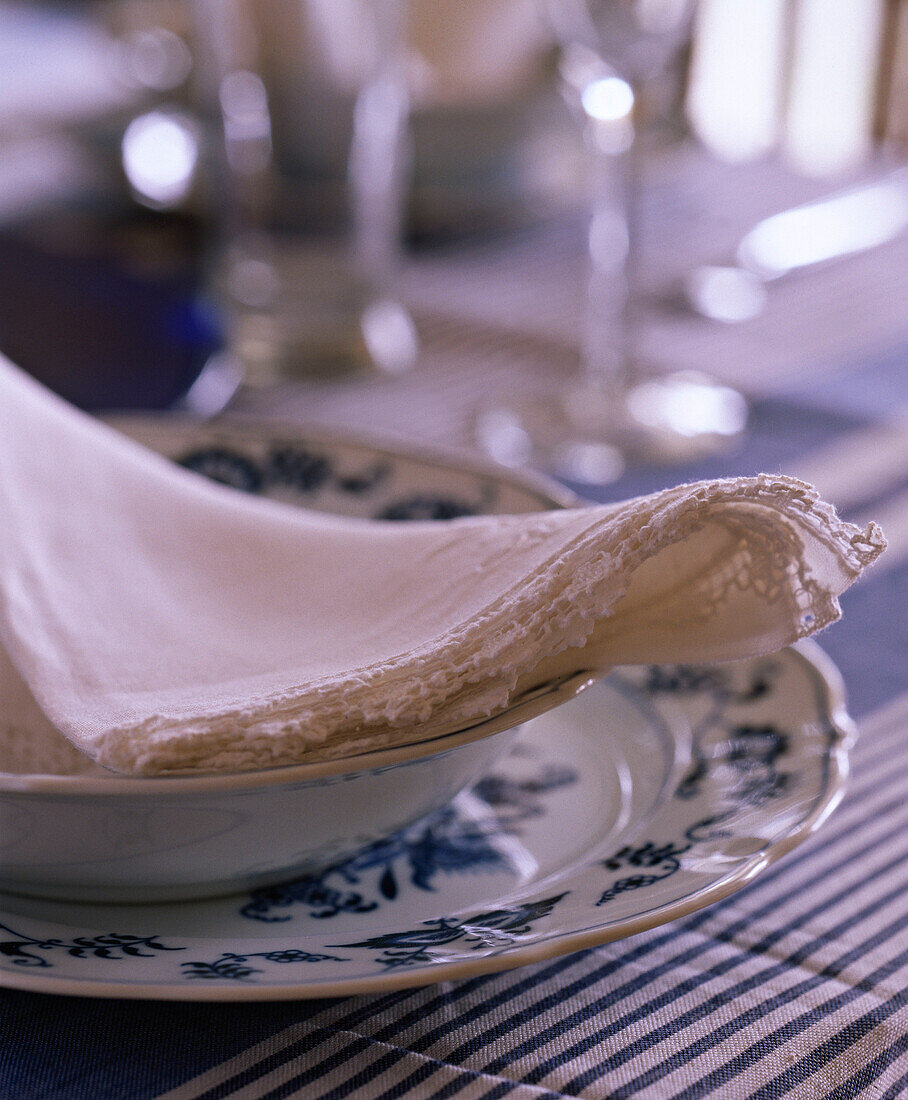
column 56, row 70
column 815, row 85
column 812, row 81
column 493, row 146
column 617, row 411
column 803, row 237
column 98, row 244
column 311, row 99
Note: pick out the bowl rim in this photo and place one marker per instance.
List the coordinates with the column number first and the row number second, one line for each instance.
column 533, row 703
column 550, row 493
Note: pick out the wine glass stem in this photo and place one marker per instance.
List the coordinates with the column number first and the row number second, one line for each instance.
column 377, row 165
column 609, row 334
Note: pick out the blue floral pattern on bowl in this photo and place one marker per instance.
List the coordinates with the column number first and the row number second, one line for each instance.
column 342, row 474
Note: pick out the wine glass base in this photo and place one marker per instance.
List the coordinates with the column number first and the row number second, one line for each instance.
column 587, row 436
column 377, row 337
column 214, row 388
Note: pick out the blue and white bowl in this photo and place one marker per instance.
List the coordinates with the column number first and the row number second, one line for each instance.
column 92, row 835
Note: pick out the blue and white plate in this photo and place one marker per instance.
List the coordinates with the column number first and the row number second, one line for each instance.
column 651, row 795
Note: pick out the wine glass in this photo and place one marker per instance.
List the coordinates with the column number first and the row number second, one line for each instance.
column 310, row 103
column 617, row 410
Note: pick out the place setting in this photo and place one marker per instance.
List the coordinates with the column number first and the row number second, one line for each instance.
column 262, row 786
column 459, row 894
column 452, row 540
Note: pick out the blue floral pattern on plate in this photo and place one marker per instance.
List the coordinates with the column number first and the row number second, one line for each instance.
column 645, row 798
column 494, row 929
column 447, row 843
column 25, row 950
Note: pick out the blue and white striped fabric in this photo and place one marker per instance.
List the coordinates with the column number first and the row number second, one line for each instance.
column 795, row 986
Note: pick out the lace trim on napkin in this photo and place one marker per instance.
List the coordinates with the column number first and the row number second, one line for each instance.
column 473, row 671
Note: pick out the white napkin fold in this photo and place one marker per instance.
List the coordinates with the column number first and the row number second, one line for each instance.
column 167, row 624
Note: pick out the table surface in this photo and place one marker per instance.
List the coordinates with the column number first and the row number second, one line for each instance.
column 794, row 986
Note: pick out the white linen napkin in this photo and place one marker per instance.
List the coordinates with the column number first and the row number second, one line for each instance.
column 167, row 624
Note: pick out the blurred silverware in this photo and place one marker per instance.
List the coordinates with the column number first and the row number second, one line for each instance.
column 802, row 237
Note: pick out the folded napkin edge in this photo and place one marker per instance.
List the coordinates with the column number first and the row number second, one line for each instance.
column 394, row 702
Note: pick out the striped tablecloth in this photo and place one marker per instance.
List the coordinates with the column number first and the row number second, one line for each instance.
column 796, row 986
